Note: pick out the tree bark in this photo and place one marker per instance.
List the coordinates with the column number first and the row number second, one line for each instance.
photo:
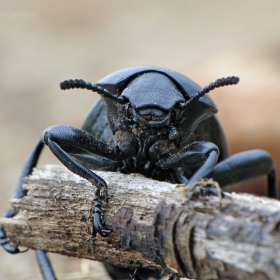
column 154, row 225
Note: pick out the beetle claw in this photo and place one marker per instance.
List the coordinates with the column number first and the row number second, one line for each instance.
column 98, row 226
column 7, row 246
column 10, row 248
column 203, row 190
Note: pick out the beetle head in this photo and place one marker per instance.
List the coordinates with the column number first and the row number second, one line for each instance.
column 152, row 100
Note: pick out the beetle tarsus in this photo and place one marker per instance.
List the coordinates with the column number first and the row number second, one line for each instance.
column 3, row 238
column 7, row 246
column 98, row 224
column 203, row 190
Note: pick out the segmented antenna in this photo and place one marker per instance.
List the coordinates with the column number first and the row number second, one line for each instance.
column 71, row 84
column 233, row 80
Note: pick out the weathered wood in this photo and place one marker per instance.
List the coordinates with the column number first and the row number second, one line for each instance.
column 153, row 224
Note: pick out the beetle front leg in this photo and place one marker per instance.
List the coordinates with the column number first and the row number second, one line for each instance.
column 202, row 155
column 62, row 140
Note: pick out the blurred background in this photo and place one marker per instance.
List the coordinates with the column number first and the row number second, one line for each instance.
column 43, row 43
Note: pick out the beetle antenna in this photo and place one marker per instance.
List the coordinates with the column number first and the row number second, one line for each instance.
column 233, row 80
column 71, row 84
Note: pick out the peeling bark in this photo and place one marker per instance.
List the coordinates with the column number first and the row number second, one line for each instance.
column 153, row 225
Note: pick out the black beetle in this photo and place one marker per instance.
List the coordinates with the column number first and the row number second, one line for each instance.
column 152, row 121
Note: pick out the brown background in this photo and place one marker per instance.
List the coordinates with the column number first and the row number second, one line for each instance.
column 202, row 39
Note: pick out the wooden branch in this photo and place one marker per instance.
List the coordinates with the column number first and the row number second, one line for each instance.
column 153, row 224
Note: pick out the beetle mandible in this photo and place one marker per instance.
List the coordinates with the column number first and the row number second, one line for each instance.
column 152, row 121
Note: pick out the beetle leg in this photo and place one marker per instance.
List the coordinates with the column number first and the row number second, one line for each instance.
column 3, row 239
column 19, row 193
column 45, row 265
column 134, row 275
column 96, row 162
column 62, row 141
column 177, row 177
column 205, row 168
column 202, row 172
column 202, row 155
column 245, row 166
column 97, row 220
